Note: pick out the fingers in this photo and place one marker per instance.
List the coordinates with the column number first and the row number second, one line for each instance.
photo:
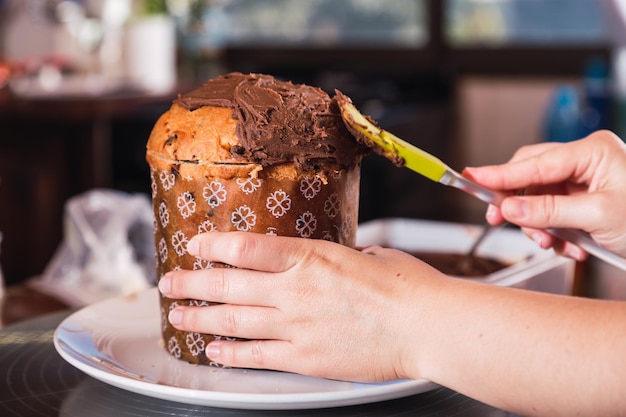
column 268, row 347
column 579, row 211
column 247, row 250
column 230, row 320
column 567, row 185
column 529, row 151
column 494, row 215
column 276, row 354
column 534, row 213
column 317, row 302
column 260, row 260
column 517, row 175
column 546, row 241
column 249, row 312
column 220, row 285
column 546, row 163
column 551, row 163
column 256, row 354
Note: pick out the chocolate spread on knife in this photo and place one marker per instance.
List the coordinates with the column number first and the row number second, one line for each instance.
column 360, row 137
column 280, row 122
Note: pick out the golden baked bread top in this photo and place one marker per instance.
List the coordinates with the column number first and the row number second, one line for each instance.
column 205, row 135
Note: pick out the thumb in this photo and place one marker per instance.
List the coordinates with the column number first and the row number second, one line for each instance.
column 577, row 211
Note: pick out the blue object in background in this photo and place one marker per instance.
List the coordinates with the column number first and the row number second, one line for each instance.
column 563, row 117
column 596, row 101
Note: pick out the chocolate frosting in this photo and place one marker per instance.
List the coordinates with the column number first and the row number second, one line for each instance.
column 280, row 122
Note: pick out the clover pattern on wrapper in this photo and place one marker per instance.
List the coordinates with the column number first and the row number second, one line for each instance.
column 317, row 205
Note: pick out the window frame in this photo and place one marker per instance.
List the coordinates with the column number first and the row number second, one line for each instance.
column 436, row 55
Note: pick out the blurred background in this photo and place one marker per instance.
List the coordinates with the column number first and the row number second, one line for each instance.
column 83, row 81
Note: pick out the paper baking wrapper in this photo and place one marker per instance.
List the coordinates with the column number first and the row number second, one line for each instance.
column 189, row 199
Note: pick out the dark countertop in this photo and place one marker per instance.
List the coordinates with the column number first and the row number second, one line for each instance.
column 36, row 381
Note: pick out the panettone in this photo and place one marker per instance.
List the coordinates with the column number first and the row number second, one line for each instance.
column 251, row 153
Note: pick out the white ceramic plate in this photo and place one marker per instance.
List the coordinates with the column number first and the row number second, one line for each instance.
column 118, row 341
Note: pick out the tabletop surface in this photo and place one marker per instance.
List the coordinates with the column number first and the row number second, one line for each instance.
column 36, row 381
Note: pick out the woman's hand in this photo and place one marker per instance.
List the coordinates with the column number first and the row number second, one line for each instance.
column 319, row 308
column 577, row 185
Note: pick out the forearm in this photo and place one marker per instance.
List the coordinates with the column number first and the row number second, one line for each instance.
column 522, row 350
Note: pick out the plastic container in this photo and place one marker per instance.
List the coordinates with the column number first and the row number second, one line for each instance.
column 531, row 267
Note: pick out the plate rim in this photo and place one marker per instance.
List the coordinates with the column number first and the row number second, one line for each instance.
column 365, row 393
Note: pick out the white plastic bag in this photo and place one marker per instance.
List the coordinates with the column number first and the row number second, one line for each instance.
column 107, row 248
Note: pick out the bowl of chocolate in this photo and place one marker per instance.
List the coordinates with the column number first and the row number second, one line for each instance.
column 505, row 257
column 248, row 152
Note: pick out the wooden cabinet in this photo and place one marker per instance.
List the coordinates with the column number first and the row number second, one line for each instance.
column 51, row 150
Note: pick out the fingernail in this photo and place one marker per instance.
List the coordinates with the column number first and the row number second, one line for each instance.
column 193, row 247
column 491, row 211
column 176, row 316
column 469, row 172
column 165, row 284
column 213, row 350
